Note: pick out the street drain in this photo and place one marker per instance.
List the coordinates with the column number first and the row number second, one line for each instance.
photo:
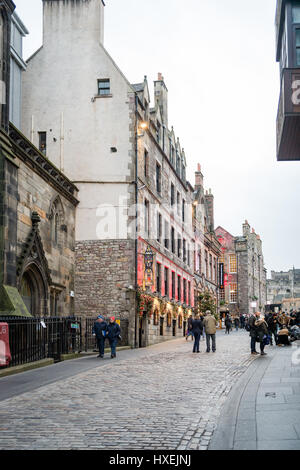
column 270, row 394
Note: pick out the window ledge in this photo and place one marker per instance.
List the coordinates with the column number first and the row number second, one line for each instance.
column 101, row 96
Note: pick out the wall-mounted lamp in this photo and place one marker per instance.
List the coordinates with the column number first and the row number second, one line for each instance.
column 143, row 126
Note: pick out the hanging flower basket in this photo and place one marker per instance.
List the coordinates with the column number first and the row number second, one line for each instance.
column 145, row 304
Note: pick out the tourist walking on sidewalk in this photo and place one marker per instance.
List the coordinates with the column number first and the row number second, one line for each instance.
column 253, row 333
column 113, row 333
column 210, row 326
column 237, row 323
column 261, row 331
column 190, row 328
column 99, row 330
column 197, row 327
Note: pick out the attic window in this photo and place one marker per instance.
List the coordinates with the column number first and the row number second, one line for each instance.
column 104, row 87
column 42, row 142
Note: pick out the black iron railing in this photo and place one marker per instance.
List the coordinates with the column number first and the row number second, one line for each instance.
column 34, row 339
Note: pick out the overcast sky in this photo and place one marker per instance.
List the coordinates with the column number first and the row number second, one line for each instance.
column 218, row 61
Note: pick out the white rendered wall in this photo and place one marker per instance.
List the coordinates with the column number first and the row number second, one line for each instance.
column 59, row 89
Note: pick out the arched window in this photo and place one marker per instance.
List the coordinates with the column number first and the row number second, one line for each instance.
column 56, row 216
column 156, row 318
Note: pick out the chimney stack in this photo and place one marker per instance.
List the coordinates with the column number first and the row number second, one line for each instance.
column 209, row 199
column 161, row 97
column 198, row 178
column 67, row 21
column 246, row 228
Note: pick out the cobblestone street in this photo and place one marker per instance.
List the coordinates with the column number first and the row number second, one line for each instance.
column 163, row 397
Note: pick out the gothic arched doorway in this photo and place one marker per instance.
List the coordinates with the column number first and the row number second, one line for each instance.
column 34, row 291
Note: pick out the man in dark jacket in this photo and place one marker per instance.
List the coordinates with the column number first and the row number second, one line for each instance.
column 113, row 333
column 228, row 323
column 99, row 329
column 272, row 327
column 197, row 328
column 253, row 333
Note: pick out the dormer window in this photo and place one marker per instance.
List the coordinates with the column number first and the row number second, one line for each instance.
column 43, row 142
column 178, row 163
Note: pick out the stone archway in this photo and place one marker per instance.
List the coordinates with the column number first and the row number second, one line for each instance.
column 34, row 290
column 34, row 278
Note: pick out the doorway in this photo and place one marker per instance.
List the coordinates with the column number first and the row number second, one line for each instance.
column 174, row 328
column 161, row 326
column 142, row 331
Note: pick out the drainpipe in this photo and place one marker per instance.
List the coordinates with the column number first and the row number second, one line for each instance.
column 136, row 218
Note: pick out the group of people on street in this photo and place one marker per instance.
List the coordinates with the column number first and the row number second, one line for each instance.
column 200, row 324
column 263, row 329
column 111, row 331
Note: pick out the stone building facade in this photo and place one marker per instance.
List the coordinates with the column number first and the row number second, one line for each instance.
column 283, row 285
column 96, row 151
column 165, row 223
column 244, row 267
column 207, row 247
column 228, row 274
column 37, row 219
column 130, row 169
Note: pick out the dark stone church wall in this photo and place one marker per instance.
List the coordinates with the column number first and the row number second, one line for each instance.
column 8, row 220
column 37, row 195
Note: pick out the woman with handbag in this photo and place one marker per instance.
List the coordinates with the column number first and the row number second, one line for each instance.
column 261, row 332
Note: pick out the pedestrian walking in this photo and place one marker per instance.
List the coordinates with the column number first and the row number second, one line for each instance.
column 242, row 321
column 237, row 323
column 197, row 327
column 202, row 319
column 261, row 331
column 228, row 323
column 113, row 333
column 210, row 326
column 252, row 332
column 190, row 328
column 99, row 330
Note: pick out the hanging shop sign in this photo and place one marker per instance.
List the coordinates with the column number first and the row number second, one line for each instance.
column 149, row 267
column 221, row 274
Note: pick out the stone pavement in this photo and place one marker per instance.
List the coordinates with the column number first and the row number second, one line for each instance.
column 162, row 397
column 263, row 409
